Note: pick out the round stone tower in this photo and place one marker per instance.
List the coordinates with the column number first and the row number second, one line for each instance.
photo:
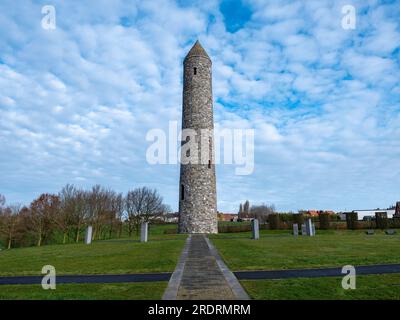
column 197, row 189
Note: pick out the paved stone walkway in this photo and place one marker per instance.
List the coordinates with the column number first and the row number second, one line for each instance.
column 202, row 278
column 202, row 275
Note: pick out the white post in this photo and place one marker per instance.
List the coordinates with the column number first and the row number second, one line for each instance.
column 144, row 228
column 88, row 235
column 295, row 229
column 255, row 228
column 309, row 227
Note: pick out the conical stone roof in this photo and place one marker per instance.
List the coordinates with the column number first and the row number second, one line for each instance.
column 197, row 50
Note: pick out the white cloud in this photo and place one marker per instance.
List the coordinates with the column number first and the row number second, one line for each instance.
column 76, row 103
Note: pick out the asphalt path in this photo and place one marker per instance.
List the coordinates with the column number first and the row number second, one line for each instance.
column 240, row 275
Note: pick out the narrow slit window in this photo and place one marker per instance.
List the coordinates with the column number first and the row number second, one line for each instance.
column 194, row 71
column 182, row 192
column 209, row 164
column 188, row 150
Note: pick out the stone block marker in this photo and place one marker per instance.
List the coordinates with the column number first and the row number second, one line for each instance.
column 295, row 229
column 144, row 231
column 303, row 230
column 255, row 229
column 88, row 235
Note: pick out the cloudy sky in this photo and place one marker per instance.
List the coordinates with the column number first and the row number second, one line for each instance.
column 76, row 102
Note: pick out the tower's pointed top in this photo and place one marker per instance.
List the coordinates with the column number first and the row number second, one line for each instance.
column 197, row 50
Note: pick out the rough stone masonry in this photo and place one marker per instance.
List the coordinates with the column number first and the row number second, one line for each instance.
column 197, row 185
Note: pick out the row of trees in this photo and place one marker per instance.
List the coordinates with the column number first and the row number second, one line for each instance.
column 65, row 215
column 264, row 213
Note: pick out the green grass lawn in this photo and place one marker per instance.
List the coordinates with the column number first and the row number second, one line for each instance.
column 101, row 257
column 109, row 291
column 280, row 250
column 371, row 287
column 274, row 250
column 124, row 255
column 156, row 231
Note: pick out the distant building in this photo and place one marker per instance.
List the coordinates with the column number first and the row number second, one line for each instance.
column 342, row 215
column 312, row 213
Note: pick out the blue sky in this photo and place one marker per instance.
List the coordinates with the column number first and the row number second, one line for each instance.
column 76, row 102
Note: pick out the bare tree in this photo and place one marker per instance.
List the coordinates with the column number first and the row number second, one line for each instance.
column 262, row 212
column 117, row 209
column 113, row 208
column 104, row 207
column 8, row 223
column 43, row 212
column 2, row 200
column 80, row 213
column 143, row 205
column 246, row 207
column 64, row 218
column 97, row 204
column 244, row 210
column 132, row 218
